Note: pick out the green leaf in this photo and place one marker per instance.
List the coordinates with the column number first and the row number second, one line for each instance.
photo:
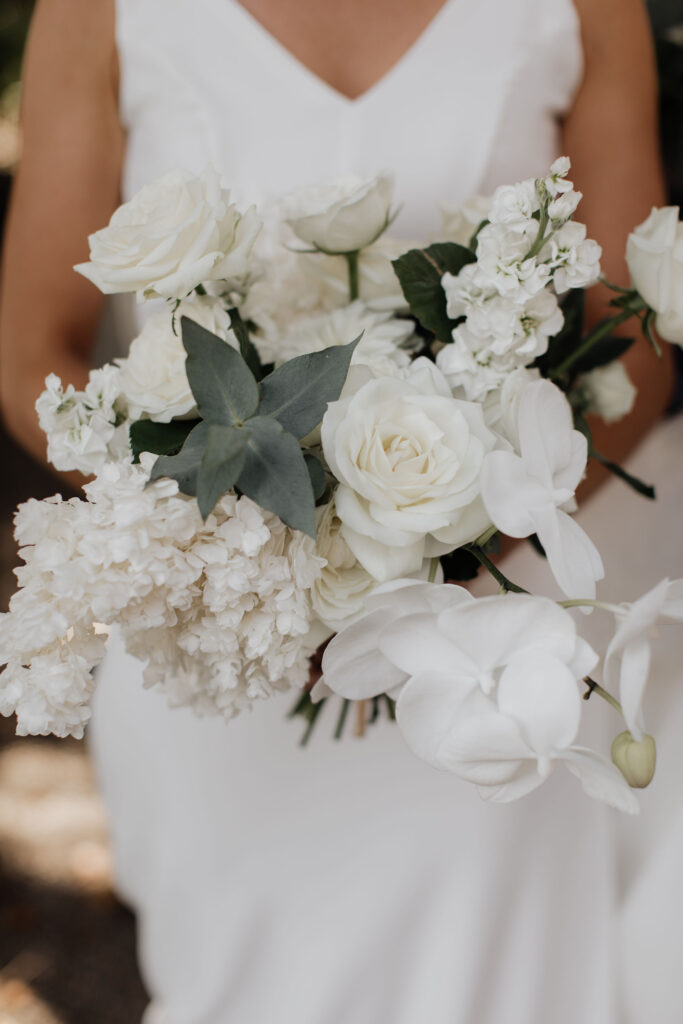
column 460, row 565
column 184, row 467
column 222, row 462
column 420, row 271
column 159, row 438
column 639, row 486
column 223, row 385
column 605, row 351
column 275, row 475
column 247, row 347
column 298, row 392
column 317, row 475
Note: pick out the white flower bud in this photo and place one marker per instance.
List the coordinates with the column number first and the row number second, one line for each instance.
column 636, row 761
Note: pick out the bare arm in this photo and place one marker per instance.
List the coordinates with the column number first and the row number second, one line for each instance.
column 612, row 138
column 66, row 187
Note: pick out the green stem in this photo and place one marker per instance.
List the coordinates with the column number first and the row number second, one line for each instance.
column 580, row 602
column 352, row 262
column 312, row 716
column 594, row 687
column 498, row 576
column 540, row 239
column 433, row 566
column 591, row 339
column 341, row 721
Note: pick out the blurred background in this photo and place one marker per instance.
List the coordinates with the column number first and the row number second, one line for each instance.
column 66, row 945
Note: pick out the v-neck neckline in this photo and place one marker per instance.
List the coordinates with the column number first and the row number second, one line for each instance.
column 323, row 84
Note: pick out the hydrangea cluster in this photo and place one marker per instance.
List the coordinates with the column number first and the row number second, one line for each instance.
column 219, row 610
column 528, row 253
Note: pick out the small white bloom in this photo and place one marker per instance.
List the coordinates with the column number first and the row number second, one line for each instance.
column 504, row 265
column 627, row 661
column 174, row 234
column 654, row 254
column 608, row 391
column 515, row 205
column 408, row 458
column 564, row 206
column 81, row 426
column 527, row 493
column 153, row 379
column 574, row 259
column 556, row 182
column 341, row 216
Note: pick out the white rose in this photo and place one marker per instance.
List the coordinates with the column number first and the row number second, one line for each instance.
column 654, row 253
column 344, row 215
column 174, row 234
column 609, row 391
column 339, row 594
column 408, row 458
column 153, row 380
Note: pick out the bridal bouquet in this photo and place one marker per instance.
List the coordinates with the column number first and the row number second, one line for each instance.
column 306, row 439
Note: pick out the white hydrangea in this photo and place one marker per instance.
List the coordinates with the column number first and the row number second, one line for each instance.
column 383, row 341
column 219, row 610
column 81, row 426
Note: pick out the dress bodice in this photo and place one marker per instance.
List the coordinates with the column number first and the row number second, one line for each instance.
column 476, row 100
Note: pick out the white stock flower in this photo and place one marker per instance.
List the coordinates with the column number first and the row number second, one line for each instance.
column 654, row 253
column 174, row 234
column 527, row 493
column 556, row 182
column 493, row 697
column 81, row 426
column 564, row 205
column 408, row 458
column 573, row 258
column 504, row 265
column 458, row 223
column 339, row 594
column 354, row 665
column 628, row 657
column 608, row 391
column 515, row 205
column 344, row 215
column 382, row 342
column 153, row 379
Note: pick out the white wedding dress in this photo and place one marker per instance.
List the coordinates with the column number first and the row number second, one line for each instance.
column 349, row 883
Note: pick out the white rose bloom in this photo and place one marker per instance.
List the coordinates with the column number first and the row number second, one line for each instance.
column 408, row 458
column 80, row 425
column 339, row 594
column 344, row 215
column 383, row 337
column 174, row 234
column 609, row 391
column 654, row 254
column 458, row 223
column 574, row 259
column 153, row 380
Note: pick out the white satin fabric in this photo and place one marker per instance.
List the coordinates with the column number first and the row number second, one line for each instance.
column 349, row 883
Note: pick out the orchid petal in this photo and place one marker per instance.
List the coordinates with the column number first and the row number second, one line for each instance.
column 601, row 779
column 635, row 667
column 540, row 693
column 426, row 709
column 352, row 665
column 545, row 431
column 508, row 493
column 419, row 646
column 572, row 556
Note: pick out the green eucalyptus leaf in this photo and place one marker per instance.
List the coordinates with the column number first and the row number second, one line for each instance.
column 247, row 347
column 184, row 467
column 420, row 271
column 223, row 385
column 317, row 474
column 298, row 392
column 275, row 475
column 222, row 462
column 159, row 438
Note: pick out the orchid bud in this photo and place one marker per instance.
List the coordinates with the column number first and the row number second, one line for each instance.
column 635, row 760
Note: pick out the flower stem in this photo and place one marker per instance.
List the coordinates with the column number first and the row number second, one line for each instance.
column 600, row 332
column 341, row 721
column 360, row 718
column 433, row 566
column 498, row 576
column 580, row 602
column 594, row 687
column 352, row 262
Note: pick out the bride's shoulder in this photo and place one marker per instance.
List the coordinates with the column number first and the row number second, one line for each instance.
column 608, row 25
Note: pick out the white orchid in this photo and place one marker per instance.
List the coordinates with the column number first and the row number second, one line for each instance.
column 529, row 493
column 628, row 657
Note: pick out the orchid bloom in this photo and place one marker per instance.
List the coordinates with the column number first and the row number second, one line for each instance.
column 528, row 493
